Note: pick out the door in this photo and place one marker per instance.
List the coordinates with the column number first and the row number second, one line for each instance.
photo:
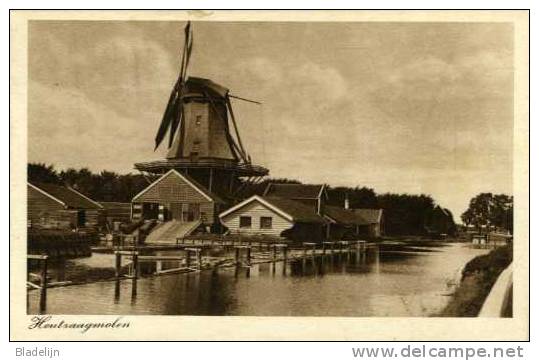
column 175, row 211
column 81, row 218
column 193, row 212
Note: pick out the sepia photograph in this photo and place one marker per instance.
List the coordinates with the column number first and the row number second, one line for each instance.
column 299, row 166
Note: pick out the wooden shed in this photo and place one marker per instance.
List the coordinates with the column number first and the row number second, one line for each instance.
column 177, row 197
column 373, row 221
column 55, row 206
column 353, row 223
column 273, row 216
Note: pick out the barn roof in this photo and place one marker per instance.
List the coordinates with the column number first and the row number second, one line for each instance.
column 289, row 209
column 294, row 191
column 193, row 183
column 299, row 211
column 345, row 216
column 68, row 196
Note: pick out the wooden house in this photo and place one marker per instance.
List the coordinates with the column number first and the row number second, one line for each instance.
column 373, row 221
column 274, row 216
column 55, row 206
column 177, row 197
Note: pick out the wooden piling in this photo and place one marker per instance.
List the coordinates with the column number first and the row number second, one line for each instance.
column 307, row 245
column 187, row 258
column 362, row 246
column 199, row 259
column 117, row 290
column 274, row 252
column 236, row 255
column 117, row 264
column 135, row 265
column 43, row 285
column 249, row 256
column 324, row 247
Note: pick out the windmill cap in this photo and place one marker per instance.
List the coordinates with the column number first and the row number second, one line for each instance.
column 202, row 85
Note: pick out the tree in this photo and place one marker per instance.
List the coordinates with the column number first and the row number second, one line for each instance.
column 406, row 214
column 104, row 186
column 40, row 172
column 489, row 210
column 502, row 212
column 359, row 197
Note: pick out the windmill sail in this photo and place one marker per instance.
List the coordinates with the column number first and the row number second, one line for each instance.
column 172, row 115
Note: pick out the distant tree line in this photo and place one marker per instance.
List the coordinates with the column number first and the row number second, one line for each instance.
column 104, row 186
column 487, row 210
column 404, row 214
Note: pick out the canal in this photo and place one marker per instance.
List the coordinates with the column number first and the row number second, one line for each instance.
column 391, row 281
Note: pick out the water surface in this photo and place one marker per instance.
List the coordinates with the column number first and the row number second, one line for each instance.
column 381, row 283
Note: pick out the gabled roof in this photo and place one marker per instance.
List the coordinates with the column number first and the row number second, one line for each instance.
column 197, row 186
column 345, row 216
column 294, row 191
column 371, row 216
column 67, row 196
column 299, row 211
column 288, row 209
column 443, row 210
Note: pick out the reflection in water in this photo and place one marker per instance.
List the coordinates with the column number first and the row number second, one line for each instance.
column 384, row 283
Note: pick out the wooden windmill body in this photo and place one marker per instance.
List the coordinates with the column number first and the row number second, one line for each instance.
column 198, row 119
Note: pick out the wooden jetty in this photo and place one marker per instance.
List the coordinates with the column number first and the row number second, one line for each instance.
column 196, row 257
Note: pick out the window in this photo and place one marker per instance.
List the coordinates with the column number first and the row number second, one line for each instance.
column 265, row 222
column 245, row 222
column 198, row 120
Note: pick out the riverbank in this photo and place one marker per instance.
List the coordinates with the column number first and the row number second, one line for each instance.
column 478, row 277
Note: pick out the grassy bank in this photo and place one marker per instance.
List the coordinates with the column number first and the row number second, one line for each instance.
column 478, row 277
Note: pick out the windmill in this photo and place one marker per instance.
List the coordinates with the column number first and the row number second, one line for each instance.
column 200, row 142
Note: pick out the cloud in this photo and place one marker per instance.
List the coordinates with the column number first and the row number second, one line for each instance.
column 483, row 74
column 66, row 127
column 123, row 71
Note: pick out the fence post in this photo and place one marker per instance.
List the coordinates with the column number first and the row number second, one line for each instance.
column 199, row 259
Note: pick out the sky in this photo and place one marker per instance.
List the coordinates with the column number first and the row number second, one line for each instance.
column 397, row 107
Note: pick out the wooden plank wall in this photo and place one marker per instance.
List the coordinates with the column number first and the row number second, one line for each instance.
column 41, row 208
column 174, row 189
column 256, row 210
